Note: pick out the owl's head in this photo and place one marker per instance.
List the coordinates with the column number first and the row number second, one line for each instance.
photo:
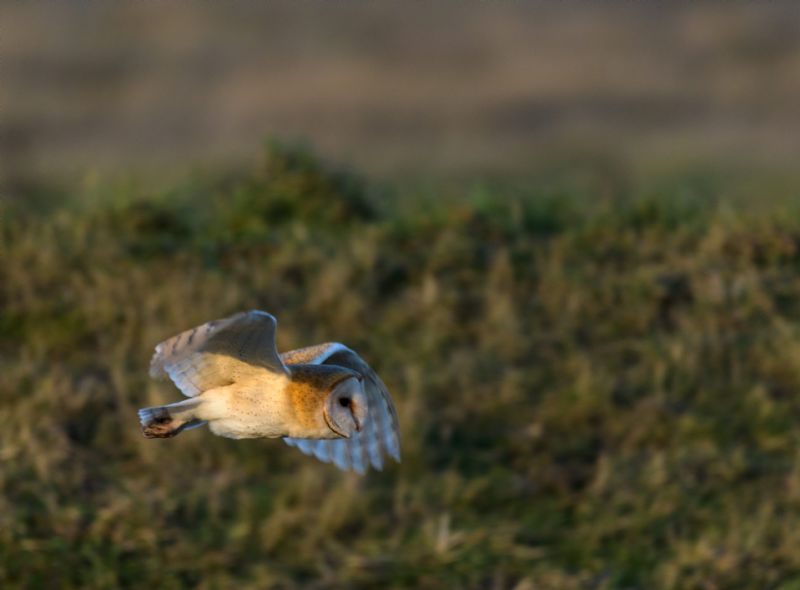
column 345, row 408
column 328, row 402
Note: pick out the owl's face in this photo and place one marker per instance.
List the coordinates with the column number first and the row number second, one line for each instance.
column 346, row 407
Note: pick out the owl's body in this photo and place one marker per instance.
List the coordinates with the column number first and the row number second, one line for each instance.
column 323, row 399
column 255, row 409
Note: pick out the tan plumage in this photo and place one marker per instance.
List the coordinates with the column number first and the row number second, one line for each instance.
column 324, row 399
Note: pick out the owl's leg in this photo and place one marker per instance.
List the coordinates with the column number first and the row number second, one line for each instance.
column 171, row 420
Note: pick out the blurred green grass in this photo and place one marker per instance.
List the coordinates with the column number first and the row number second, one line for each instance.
column 595, row 371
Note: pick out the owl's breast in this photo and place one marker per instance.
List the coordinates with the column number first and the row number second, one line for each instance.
column 253, row 409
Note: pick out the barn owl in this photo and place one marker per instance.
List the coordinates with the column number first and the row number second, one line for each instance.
column 324, row 399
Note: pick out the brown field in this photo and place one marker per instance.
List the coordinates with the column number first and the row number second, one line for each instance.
column 163, row 87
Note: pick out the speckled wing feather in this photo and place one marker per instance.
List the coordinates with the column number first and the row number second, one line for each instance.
column 219, row 352
column 380, row 432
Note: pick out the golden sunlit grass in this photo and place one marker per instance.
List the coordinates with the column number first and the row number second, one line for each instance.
column 593, row 392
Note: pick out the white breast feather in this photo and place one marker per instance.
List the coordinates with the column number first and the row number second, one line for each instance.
column 253, row 408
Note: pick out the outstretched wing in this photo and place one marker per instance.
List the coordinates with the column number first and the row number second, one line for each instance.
column 381, row 431
column 219, row 352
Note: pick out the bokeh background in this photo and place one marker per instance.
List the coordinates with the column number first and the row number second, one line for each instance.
column 384, row 86
column 566, row 235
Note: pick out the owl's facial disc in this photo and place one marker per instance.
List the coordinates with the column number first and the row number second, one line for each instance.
column 346, row 407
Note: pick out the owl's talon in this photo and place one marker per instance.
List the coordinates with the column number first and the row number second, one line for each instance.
column 161, row 428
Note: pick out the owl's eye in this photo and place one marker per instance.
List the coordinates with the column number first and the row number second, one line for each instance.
column 344, row 402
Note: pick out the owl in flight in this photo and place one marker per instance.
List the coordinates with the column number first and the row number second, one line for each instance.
column 324, row 399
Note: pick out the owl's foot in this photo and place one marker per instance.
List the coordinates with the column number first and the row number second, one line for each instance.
column 159, row 423
column 163, row 427
column 168, row 421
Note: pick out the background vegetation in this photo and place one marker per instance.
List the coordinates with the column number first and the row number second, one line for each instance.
column 595, row 370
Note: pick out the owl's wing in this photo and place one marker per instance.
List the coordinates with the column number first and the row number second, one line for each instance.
column 218, row 352
column 380, row 432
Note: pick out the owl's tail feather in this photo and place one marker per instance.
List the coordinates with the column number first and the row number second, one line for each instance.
column 170, row 420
